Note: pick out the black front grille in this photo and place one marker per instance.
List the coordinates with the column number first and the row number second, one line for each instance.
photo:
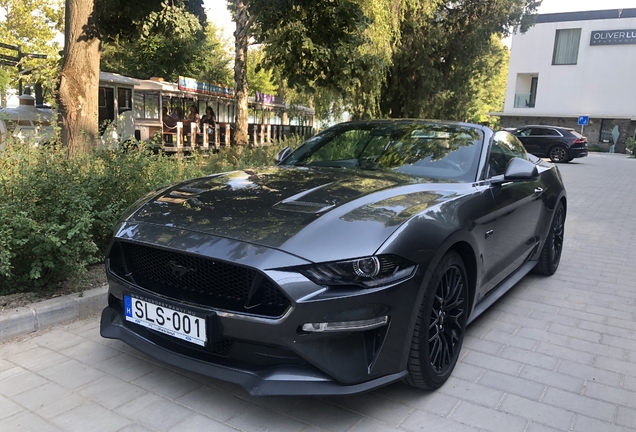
column 197, row 280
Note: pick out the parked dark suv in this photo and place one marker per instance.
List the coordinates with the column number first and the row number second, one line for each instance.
column 558, row 143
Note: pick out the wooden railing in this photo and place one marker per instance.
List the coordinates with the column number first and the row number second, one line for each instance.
column 187, row 137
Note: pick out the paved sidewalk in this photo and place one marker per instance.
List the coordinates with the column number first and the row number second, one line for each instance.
column 555, row 354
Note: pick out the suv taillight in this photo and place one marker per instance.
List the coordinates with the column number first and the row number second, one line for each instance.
column 580, row 141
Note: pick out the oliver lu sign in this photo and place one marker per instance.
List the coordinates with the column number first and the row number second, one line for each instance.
column 613, row 37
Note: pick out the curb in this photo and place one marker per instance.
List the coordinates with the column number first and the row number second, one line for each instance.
column 47, row 313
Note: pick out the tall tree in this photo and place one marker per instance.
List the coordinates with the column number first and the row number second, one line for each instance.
column 87, row 23
column 79, row 78
column 443, row 46
column 313, row 43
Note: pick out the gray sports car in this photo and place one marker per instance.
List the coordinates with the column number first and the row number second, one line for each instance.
column 355, row 262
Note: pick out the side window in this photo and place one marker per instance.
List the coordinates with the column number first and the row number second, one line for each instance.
column 525, row 132
column 504, row 148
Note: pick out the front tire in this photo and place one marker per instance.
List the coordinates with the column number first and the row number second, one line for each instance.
column 440, row 325
column 559, row 154
column 553, row 247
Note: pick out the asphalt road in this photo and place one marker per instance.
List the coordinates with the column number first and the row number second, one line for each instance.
column 555, row 354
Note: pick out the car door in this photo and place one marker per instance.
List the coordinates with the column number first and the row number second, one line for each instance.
column 530, row 140
column 516, row 208
column 542, row 140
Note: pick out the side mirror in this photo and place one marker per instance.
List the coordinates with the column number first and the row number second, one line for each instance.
column 282, row 155
column 520, row 169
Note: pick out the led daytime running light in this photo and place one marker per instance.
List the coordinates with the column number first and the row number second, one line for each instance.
column 360, row 325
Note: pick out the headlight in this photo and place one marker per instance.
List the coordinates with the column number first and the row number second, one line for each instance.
column 368, row 272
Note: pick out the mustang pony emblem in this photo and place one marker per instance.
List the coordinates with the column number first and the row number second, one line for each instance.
column 178, row 271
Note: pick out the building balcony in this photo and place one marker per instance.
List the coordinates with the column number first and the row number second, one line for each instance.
column 524, row 100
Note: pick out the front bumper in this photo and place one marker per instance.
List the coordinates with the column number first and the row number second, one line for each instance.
column 272, row 355
column 275, row 380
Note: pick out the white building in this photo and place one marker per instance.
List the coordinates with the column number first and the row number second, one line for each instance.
column 575, row 64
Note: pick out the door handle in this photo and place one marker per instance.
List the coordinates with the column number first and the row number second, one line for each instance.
column 538, row 191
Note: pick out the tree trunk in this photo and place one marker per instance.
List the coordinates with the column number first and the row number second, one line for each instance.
column 241, row 87
column 79, row 78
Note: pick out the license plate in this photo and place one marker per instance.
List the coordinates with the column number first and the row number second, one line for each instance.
column 174, row 323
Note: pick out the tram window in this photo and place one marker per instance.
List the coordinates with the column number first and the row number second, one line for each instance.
column 124, row 100
column 147, row 105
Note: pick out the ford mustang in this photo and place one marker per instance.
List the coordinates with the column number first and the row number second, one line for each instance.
column 356, row 261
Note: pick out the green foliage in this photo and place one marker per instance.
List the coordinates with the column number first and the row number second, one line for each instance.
column 259, row 78
column 445, row 54
column 32, row 24
column 57, row 214
column 631, row 146
column 313, row 43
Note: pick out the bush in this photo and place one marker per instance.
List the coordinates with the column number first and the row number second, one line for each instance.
column 631, row 145
column 57, row 214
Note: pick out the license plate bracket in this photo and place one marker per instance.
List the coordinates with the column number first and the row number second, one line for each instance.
column 170, row 319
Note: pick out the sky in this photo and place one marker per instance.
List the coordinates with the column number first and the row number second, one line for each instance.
column 217, row 10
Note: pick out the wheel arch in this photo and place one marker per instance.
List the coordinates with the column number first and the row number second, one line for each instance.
column 468, row 256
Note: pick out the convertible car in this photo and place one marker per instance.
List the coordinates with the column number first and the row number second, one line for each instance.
column 357, row 261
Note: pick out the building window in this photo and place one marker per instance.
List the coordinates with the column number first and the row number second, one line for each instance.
column 566, row 47
column 526, row 91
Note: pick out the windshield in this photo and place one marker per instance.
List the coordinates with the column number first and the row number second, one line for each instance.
column 419, row 149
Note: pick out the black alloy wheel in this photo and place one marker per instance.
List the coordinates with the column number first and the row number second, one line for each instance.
column 440, row 325
column 559, row 154
column 553, row 247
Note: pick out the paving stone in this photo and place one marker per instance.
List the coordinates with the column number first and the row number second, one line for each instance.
column 597, row 349
column 167, row 383
column 563, row 352
column 71, row 374
column 483, row 418
column 111, row 392
column 213, row 403
column 323, row 415
column 589, row 373
column 57, row 339
column 374, row 406
column 8, row 408
column 611, row 394
column 154, row 411
column 49, row 400
column 580, row 404
column 542, row 336
column 27, row 421
column 586, row 424
column 476, row 393
column 126, row 367
column 514, row 385
column 538, row 412
column 622, row 367
column 511, row 340
column 575, row 332
column 468, row 372
column 89, row 352
column 493, row 363
column 255, row 418
column 626, row 417
column 578, row 315
column 369, row 425
column 19, row 380
column 482, row 345
column 619, row 342
column 90, row 417
column 199, row 423
column 420, row 421
column 552, row 379
column 37, row 358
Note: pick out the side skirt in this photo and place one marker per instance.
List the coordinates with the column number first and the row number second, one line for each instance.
column 498, row 292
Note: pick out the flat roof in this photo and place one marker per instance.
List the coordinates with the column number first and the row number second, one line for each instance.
column 587, row 15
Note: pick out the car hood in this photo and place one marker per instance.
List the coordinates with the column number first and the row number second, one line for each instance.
column 319, row 214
